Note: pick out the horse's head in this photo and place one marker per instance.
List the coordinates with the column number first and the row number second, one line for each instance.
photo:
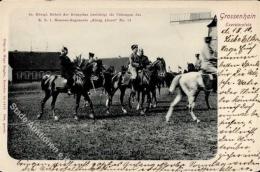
column 97, row 66
column 110, row 69
column 160, row 66
column 90, row 68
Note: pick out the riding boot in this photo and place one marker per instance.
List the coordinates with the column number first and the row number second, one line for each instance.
column 215, row 83
column 133, row 81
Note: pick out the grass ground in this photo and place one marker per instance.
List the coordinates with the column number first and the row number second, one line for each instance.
column 131, row 136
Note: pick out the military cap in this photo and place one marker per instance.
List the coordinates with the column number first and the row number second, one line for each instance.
column 64, row 48
column 134, row 46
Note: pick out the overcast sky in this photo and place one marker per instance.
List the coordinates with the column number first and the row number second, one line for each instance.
column 177, row 43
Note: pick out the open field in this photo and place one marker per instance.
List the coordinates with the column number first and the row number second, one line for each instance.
column 118, row 136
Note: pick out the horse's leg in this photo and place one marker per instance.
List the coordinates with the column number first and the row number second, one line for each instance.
column 159, row 90
column 131, row 96
column 154, row 98
column 207, row 93
column 122, row 95
column 78, row 96
column 149, row 99
column 138, row 100
column 46, row 97
column 174, row 102
column 109, row 100
column 142, row 112
column 91, row 115
column 191, row 99
column 54, row 98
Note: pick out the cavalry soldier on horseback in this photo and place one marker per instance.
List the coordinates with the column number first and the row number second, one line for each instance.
column 198, row 62
column 209, row 51
column 133, row 62
column 98, row 76
column 138, row 62
column 67, row 68
column 209, row 61
column 209, row 58
column 143, row 60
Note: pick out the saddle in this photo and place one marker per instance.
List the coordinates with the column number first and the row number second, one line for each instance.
column 57, row 80
column 60, row 82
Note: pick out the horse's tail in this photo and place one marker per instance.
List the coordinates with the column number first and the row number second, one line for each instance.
column 43, row 82
column 175, row 83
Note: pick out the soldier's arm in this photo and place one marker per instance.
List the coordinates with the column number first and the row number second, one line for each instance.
column 146, row 62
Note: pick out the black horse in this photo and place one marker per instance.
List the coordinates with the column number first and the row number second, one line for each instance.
column 146, row 85
column 84, row 79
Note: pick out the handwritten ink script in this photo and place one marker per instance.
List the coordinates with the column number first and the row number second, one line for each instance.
column 238, row 99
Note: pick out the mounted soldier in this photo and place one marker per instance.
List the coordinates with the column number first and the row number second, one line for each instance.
column 67, row 69
column 209, row 51
column 209, row 57
column 143, row 60
column 133, row 62
column 197, row 62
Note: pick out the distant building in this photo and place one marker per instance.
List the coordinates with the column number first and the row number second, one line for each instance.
column 117, row 62
column 31, row 66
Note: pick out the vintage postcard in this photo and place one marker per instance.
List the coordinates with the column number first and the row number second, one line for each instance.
column 129, row 86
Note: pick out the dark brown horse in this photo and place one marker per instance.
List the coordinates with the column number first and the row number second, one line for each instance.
column 145, row 85
column 83, row 73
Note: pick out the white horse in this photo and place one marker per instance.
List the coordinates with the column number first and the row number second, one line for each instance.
column 191, row 84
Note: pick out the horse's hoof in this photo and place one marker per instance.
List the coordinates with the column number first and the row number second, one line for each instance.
column 39, row 116
column 154, row 105
column 124, row 111
column 56, row 118
column 167, row 120
column 91, row 116
column 107, row 112
column 76, row 117
column 142, row 112
column 197, row 121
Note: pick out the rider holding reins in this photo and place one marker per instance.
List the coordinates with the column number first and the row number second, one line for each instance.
column 209, row 57
column 67, row 68
column 137, row 62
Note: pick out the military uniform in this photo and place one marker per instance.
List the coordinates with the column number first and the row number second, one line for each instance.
column 67, row 68
column 134, row 65
column 209, row 58
column 143, row 62
column 198, row 62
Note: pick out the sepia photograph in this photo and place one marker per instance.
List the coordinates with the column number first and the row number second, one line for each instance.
column 112, row 84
